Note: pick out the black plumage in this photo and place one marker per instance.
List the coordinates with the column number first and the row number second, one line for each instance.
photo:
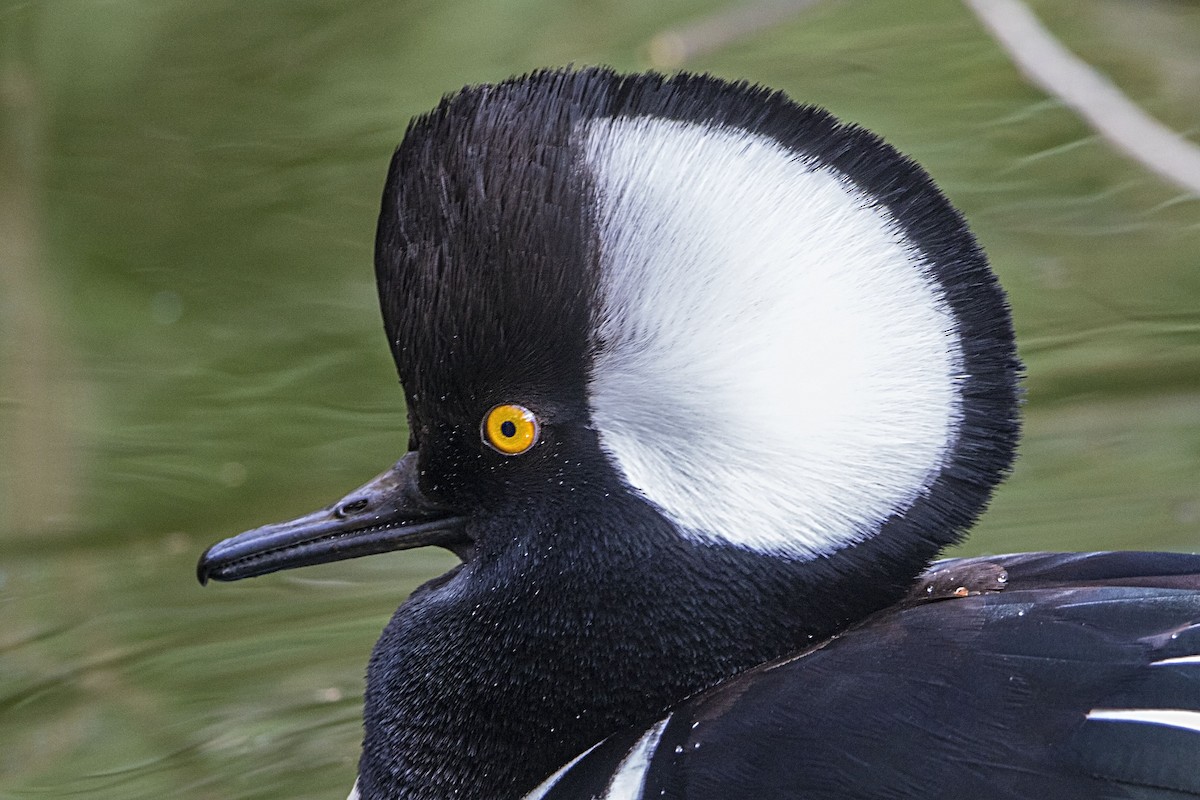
column 980, row 696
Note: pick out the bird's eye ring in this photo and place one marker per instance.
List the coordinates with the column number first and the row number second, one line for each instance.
column 510, row 429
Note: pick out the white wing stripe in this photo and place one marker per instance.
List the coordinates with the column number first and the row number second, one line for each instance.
column 548, row 784
column 1167, row 662
column 629, row 779
column 1171, row 717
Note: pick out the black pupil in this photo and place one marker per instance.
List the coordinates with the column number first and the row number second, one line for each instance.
column 508, row 428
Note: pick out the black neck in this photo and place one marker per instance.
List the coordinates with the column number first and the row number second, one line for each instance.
column 490, row 678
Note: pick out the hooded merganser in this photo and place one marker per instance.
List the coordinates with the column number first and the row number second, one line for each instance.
column 699, row 381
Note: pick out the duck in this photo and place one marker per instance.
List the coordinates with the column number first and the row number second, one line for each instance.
column 700, row 382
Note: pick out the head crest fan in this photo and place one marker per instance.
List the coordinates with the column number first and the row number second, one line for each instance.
column 776, row 367
column 790, row 341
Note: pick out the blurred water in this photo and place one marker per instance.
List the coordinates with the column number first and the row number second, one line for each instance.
column 190, row 346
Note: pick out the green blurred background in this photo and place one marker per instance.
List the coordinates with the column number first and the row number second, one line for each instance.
column 190, row 344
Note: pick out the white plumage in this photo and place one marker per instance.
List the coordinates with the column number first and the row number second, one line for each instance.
column 767, row 330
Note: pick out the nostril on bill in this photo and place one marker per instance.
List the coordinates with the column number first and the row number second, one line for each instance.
column 352, row 507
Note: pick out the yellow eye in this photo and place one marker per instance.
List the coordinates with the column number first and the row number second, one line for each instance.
column 510, row 429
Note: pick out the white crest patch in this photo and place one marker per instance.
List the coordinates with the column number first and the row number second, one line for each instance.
column 776, row 368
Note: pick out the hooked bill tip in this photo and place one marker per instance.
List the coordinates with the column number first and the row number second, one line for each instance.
column 202, row 569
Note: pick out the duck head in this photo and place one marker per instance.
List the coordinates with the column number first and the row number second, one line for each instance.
column 695, row 377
